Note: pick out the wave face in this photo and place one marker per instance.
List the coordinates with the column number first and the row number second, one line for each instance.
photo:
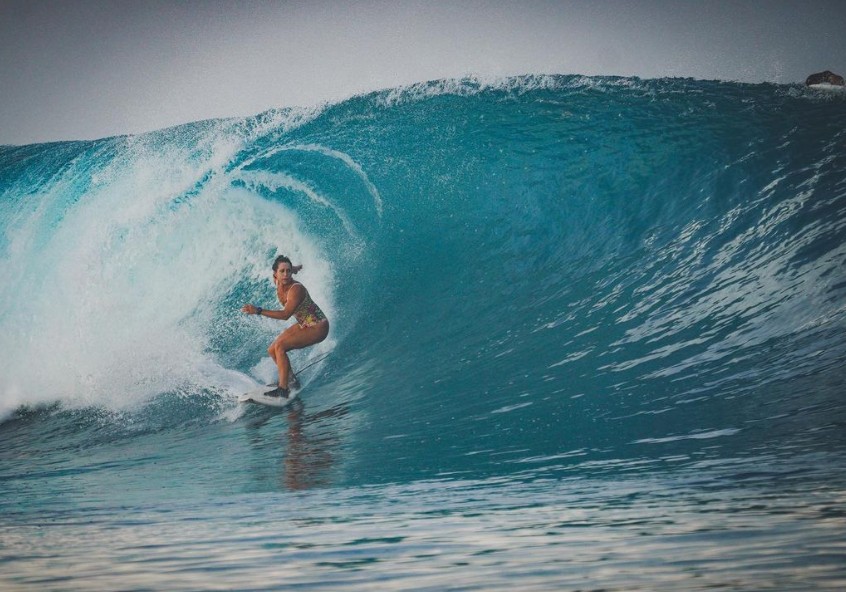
column 543, row 275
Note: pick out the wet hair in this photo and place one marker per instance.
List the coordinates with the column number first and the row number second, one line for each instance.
column 281, row 259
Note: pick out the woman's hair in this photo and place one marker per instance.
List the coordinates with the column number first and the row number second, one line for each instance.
column 281, row 259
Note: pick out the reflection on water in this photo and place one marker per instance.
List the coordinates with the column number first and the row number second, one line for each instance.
column 312, row 445
column 308, row 444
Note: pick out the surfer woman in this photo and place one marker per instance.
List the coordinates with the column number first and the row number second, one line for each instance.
column 312, row 325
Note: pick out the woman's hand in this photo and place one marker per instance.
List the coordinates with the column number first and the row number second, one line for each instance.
column 249, row 309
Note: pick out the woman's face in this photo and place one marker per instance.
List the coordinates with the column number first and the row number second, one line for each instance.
column 283, row 273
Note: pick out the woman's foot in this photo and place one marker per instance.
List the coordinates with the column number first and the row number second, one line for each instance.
column 277, row 392
column 293, row 383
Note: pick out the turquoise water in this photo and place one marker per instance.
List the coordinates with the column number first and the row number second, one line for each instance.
column 587, row 333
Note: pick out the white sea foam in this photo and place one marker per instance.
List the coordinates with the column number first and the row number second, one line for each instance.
column 116, row 294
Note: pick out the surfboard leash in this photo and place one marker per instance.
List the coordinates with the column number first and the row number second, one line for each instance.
column 307, row 366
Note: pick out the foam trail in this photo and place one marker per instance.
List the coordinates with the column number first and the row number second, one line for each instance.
column 347, row 160
column 276, row 181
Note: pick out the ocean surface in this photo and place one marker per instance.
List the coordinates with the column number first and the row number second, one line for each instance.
column 588, row 333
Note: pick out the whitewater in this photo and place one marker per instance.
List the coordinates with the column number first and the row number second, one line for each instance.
column 587, row 333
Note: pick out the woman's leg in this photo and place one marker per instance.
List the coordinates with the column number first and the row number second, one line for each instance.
column 294, row 337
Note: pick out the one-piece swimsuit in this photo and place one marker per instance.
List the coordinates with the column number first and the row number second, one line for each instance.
column 308, row 314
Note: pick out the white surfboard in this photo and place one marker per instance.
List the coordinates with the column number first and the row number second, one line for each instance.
column 258, row 396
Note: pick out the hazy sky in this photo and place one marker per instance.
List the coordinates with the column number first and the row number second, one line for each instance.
column 75, row 69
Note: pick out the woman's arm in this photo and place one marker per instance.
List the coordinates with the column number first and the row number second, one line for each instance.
column 295, row 295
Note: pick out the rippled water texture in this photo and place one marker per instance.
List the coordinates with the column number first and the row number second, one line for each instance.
column 631, row 534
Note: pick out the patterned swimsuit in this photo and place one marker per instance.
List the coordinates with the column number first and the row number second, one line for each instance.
column 308, row 314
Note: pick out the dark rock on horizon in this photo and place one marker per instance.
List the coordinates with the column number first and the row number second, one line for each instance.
column 827, row 77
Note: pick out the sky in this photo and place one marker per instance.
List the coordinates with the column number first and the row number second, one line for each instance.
column 85, row 69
